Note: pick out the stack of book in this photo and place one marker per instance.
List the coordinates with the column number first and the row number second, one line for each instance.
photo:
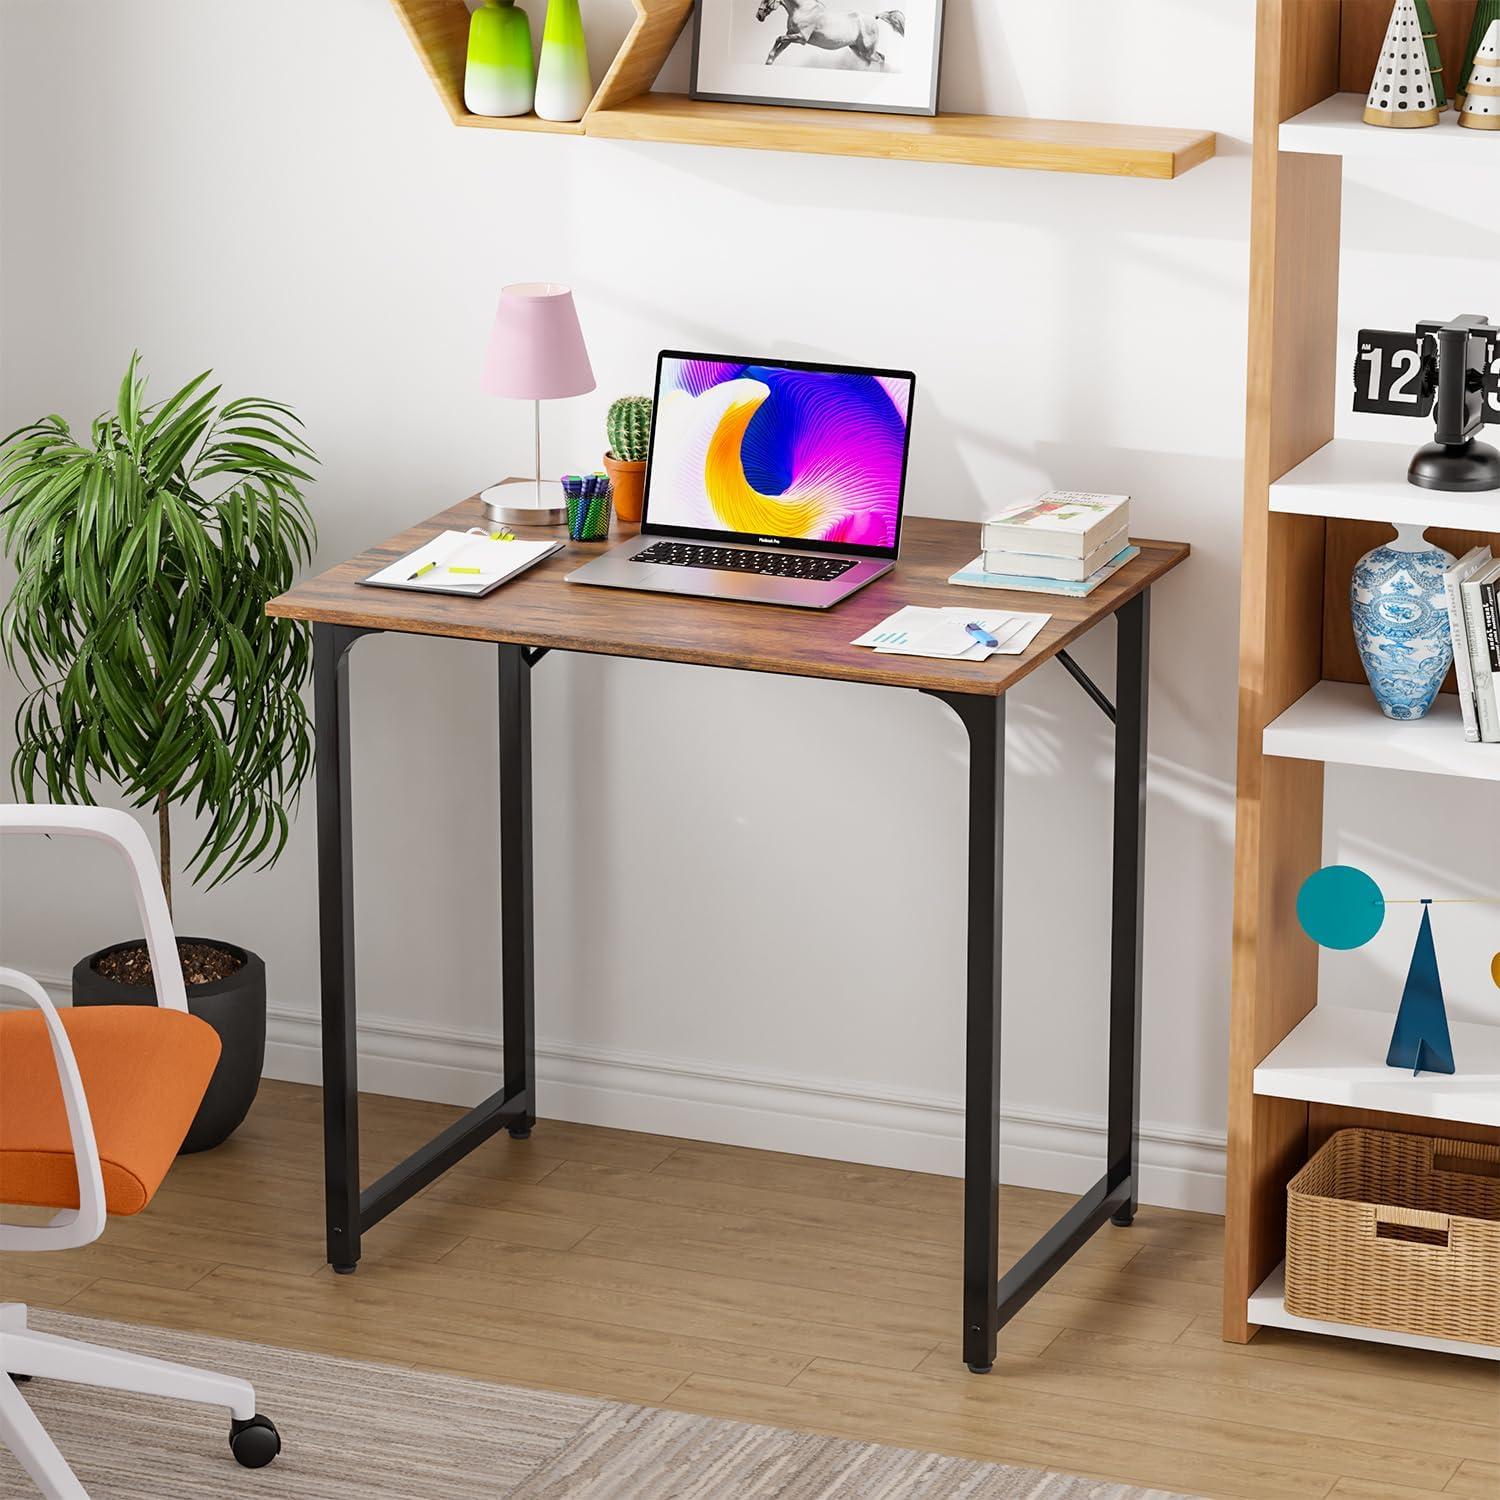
column 1063, row 542
column 1474, row 613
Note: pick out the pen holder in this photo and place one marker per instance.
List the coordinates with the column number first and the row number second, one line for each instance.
column 589, row 515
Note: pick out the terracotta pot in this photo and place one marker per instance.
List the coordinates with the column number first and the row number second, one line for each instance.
column 629, row 481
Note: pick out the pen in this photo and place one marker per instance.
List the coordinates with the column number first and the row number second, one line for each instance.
column 425, row 568
column 981, row 635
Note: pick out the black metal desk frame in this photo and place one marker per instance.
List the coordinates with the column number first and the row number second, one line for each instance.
column 988, row 1304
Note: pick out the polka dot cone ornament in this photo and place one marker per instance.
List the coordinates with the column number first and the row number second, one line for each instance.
column 1401, row 93
column 1482, row 96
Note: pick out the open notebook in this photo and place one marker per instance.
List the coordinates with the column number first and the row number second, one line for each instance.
column 462, row 562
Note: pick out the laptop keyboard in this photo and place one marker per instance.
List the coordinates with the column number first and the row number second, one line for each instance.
column 744, row 560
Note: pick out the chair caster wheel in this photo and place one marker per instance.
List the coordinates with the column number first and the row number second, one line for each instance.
column 520, row 1132
column 980, row 1369
column 254, row 1443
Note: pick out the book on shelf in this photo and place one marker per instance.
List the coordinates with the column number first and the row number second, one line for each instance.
column 977, row 576
column 1481, row 627
column 1061, row 523
column 1065, row 569
column 1454, row 579
column 1489, row 598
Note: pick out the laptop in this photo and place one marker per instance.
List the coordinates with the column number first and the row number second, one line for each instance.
column 769, row 481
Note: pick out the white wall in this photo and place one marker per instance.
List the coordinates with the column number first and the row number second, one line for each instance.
column 274, row 190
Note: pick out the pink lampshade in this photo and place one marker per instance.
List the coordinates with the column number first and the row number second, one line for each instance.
column 536, row 347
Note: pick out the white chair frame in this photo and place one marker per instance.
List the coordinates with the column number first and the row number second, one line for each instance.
column 22, row 1351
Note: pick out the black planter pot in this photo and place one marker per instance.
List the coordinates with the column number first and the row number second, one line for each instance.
column 235, row 1007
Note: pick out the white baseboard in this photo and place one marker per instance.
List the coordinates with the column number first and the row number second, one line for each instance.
column 706, row 1101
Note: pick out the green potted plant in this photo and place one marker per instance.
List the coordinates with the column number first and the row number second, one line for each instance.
column 144, row 558
column 629, row 428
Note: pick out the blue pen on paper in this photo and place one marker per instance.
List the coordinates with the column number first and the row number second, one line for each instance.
column 981, row 635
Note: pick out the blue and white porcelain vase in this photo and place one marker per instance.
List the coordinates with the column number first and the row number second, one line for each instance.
column 1400, row 611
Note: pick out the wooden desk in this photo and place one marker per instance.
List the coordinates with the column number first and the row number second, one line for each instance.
column 540, row 612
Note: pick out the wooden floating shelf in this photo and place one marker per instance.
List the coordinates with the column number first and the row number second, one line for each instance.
column 1336, row 1055
column 1336, row 127
column 968, row 140
column 1268, row 1308
column 1360, row 481
column 625, row 109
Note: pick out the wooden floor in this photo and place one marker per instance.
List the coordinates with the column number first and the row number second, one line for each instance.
column 778, row 1289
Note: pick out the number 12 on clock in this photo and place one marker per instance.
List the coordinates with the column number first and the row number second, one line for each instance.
column 1394, row 373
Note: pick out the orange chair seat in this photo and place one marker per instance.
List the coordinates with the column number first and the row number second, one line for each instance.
column 144, row 1071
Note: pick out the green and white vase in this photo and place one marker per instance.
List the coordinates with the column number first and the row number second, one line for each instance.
column 500, row 77
column 563, row 85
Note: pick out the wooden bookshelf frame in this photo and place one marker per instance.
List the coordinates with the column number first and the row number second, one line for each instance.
column 625, row 108
column 1294, row 625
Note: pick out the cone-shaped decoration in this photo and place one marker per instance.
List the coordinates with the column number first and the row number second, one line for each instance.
column 1434, row 54
column 1420, row 1041
column 1486, row 13
column 1401, row 93
column 1482, row 96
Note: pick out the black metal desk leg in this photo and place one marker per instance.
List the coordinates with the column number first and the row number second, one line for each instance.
column 517, row 954
column 331, row 644
column 1128, row 903
column 984, row 718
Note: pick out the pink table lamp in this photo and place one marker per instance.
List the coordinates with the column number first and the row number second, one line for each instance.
column 535, row 354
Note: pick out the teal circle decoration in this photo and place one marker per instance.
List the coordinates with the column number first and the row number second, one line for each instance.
column 1340, row 907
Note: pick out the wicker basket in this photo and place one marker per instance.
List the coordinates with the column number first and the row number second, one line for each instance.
column 1399, row 1232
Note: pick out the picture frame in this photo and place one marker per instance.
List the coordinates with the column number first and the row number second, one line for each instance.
column 861, row 55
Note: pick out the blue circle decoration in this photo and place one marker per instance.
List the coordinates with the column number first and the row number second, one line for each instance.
column 1340, row 907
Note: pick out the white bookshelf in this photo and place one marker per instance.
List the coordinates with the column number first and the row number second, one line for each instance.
column 1336, row 127
column 1341, row 724
column 1361, row 481
column 1336, row 1055
column 1268, row 1308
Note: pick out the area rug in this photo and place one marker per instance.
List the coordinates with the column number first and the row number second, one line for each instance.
column 379, row 1432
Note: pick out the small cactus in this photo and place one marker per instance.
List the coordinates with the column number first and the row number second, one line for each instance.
column 629, row 427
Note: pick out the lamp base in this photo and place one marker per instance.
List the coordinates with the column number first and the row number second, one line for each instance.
column 1461, row 468
column 513, row 501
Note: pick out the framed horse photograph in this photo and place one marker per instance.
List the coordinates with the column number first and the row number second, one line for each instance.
column 830, row 54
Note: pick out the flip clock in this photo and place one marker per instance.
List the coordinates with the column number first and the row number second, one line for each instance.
column 1449, row 372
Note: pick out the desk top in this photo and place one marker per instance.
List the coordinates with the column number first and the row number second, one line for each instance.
column 540, row 609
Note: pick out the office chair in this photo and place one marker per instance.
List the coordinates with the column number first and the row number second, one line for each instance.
column 93, row 1106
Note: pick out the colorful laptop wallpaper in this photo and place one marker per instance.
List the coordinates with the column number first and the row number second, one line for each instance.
column 765, row 451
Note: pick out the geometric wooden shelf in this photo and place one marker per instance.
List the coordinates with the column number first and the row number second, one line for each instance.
column 439, row 30
column 624, row 108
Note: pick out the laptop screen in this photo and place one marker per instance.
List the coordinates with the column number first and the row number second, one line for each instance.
column 778, row 452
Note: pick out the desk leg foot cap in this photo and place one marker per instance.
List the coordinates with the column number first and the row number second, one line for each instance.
column 1124, row 1218
column 980, row 1369
column 344, row 1270
column 520, row 1132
